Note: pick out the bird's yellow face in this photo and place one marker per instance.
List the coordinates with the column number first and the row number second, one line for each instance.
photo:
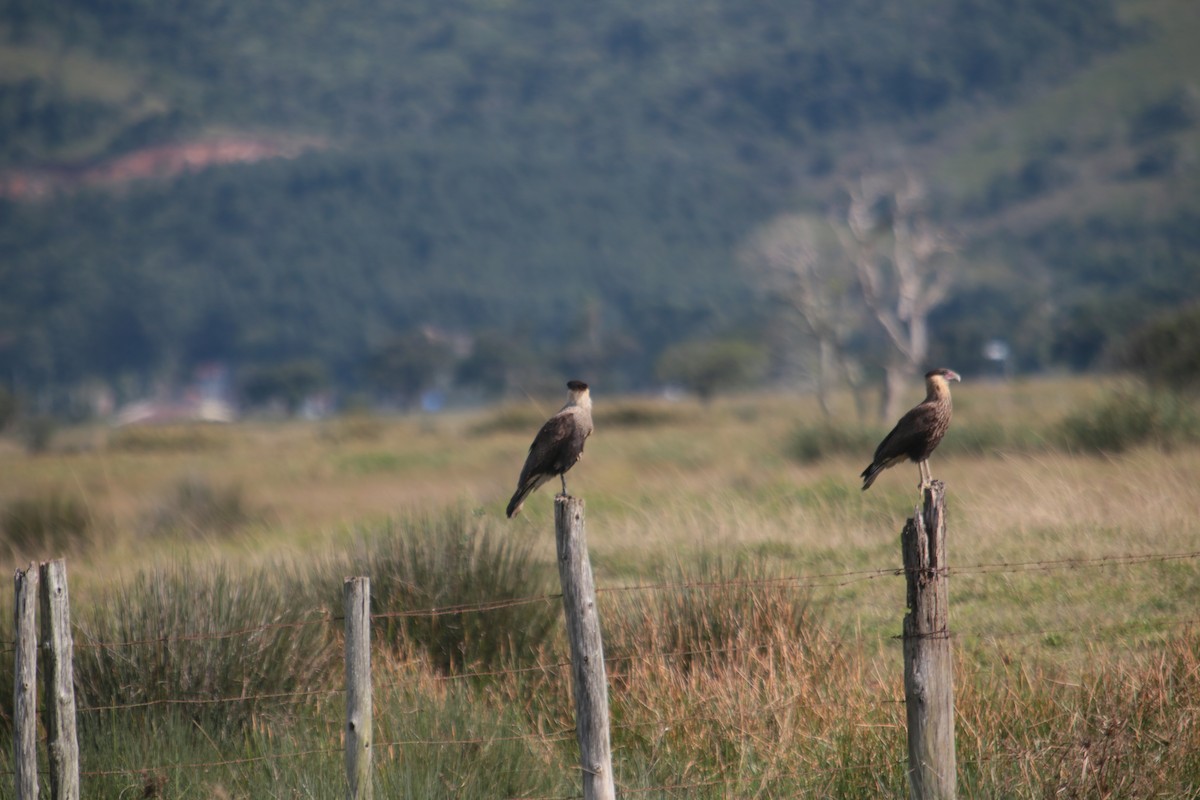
column 938, row 381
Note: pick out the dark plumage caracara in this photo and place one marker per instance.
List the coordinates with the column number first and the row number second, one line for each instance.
column 557, row 446
column 918, row 432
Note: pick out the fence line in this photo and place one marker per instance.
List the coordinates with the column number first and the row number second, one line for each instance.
column 186, row 701
column 816, row 580
column 564, row 735
column 203, row 637
column 812, row 580
column 1162, row 623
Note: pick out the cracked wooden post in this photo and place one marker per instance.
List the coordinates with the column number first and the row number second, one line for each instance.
column 356, row 596
column 928, row 657
column 589, row 682
column 25, row 774
column 58, row 677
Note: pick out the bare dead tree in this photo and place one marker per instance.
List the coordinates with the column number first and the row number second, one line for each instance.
column 904, row 270
column 787, row 260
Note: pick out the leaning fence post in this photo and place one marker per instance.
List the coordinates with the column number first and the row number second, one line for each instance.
column 356, row 596
column 587, row 651
column 25, row 685
column 59, row 682
column 928, row 667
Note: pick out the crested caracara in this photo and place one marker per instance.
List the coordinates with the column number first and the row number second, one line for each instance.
column 557, row 446
column 918, row 432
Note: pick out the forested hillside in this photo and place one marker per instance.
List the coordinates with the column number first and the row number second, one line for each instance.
column 484, row 186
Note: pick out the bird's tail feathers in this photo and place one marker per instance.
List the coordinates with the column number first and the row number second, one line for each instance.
column 514, row 505
column 523, row 491
column 870, row 474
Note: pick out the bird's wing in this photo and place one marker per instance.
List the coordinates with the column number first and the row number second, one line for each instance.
column 548, row 445
column 908, row 434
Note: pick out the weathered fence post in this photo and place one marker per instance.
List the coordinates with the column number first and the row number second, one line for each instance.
column 356, row 595
column 59, row 681
column 589, row 681
column 25, row 685
column 928, row 666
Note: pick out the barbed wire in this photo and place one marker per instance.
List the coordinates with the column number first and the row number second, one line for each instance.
column 194, row 637
column 613, row 661
column 828, row 579
column 816, row 580
column 376, row 746
column 189, row 701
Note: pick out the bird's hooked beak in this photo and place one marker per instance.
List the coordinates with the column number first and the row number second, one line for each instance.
column 951, row 375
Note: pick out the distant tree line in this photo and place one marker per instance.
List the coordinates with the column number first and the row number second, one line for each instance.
column 519, row 191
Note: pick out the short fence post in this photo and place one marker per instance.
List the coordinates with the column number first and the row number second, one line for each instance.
column 59, row 682
column 587, row 650
column 928, row 664
column 356, row 595
column 25, row 685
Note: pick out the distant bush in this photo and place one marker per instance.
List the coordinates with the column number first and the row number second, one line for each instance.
column 1127, row 419
column 1166, row 351
column 36, row 433
column 201, row 634
column 985, row 438
column 196, row 507
column 168, row 438
column 44, row 525
column 457, row 560
column 510, row 419
column 705, row 368
column 812, row 443
column 357, row 427
column 636, row 415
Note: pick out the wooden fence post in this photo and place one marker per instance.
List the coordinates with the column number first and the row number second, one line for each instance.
column 25, row 684
column 928, row 662
column 589, row 681
column 59, row 681
column 356, row 595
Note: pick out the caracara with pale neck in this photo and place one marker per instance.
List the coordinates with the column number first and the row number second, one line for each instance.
column 918, row 432
column 557, row 446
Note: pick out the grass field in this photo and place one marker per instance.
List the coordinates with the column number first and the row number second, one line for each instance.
column 746, row 591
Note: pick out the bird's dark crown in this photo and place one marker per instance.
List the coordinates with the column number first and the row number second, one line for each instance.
column 949, row 374
column 576, row 386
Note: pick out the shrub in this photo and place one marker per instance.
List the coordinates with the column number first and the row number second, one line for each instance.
column 1166, row 351
column 354, row 427
column 37, row 432
column 510, row 419
column 811, row 443
column 985, row 438
column 195, row 506
column 45, row 524
column 169, row 438
column 456, row 561
column 636, row 415
column 705, row 614
column 1126, row 419
column 705, row 368
column 188, row 635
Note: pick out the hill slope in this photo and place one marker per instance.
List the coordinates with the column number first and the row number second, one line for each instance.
column 570, row 178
